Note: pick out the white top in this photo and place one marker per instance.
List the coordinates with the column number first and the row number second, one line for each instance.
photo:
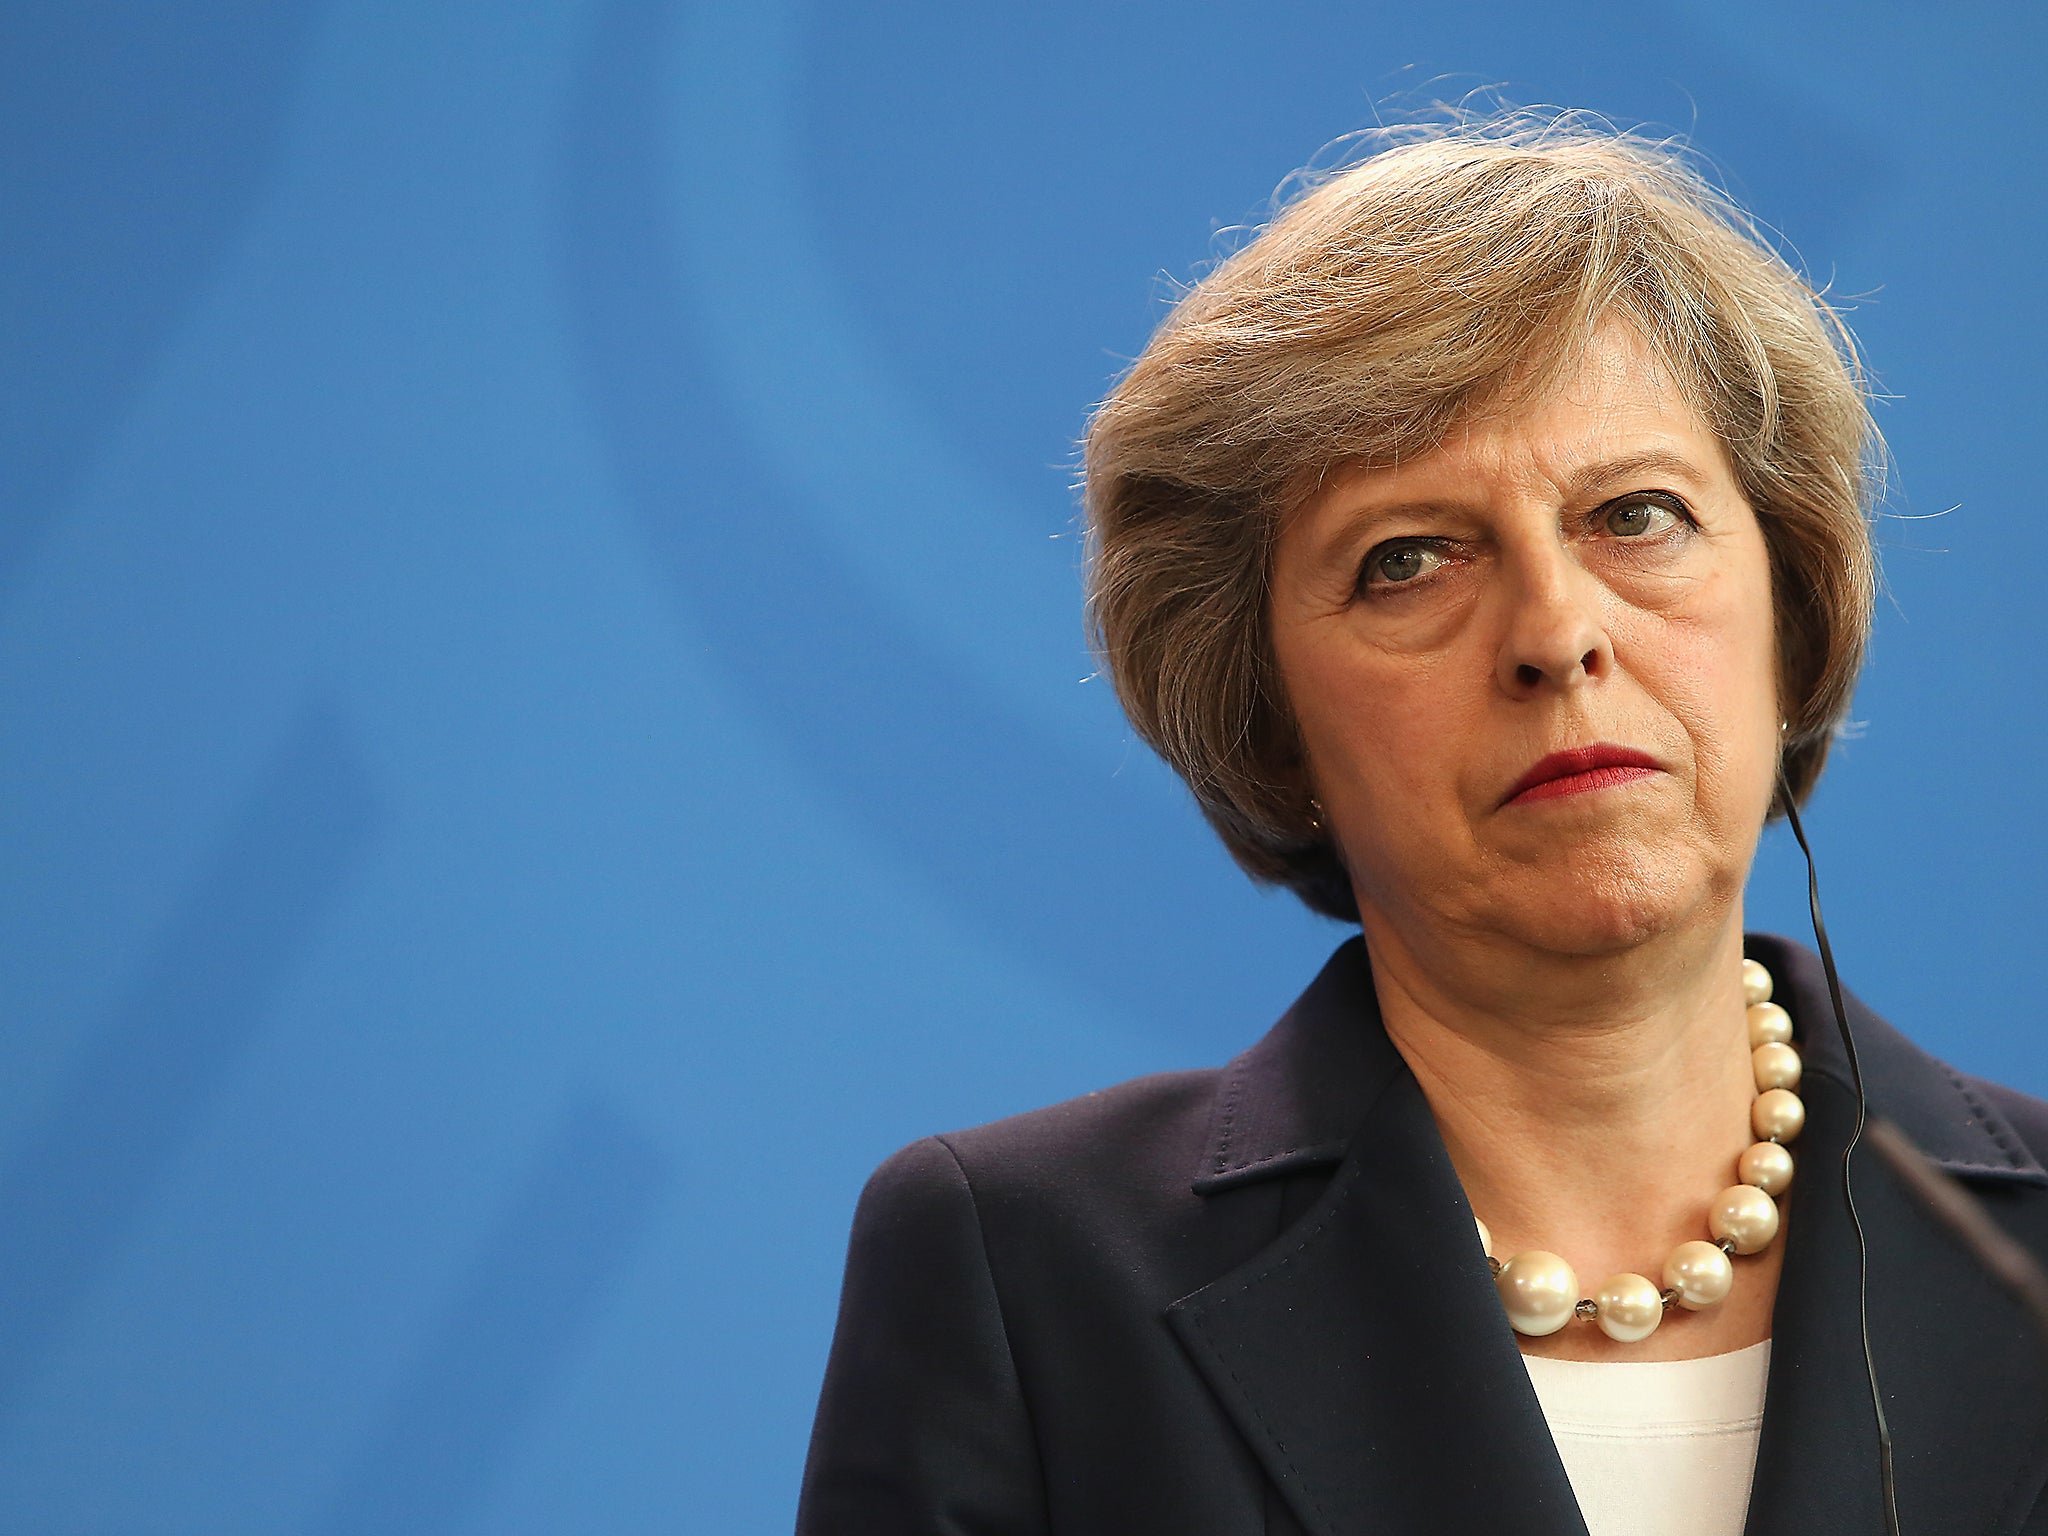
column 1657, row 1448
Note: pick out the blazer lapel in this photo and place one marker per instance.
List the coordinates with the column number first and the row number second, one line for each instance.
column 1961, row 1370
column 1364, row 1355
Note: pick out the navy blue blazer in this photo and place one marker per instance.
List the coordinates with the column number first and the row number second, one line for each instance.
column 1243, row 1301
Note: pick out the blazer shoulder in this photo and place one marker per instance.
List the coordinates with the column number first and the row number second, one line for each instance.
column 1119, row 1130
column 1120, row 1156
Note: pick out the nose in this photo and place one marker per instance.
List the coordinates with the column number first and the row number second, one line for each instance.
column 1555, row 637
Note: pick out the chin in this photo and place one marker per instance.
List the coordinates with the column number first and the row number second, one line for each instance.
column 1598, row 905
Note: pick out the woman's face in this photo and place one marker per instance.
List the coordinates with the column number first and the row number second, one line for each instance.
column 1582, row 577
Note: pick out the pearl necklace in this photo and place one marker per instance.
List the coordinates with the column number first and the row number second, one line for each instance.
column 1540, row 1291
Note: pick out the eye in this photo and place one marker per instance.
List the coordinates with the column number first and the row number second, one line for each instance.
column 1634, row 517
column 1398, row 563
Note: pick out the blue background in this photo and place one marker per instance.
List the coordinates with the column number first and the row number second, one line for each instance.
column 543, row 722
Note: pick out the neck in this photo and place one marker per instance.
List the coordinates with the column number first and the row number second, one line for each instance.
column 1591, row 1106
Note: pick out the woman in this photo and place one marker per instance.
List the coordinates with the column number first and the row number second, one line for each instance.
column 1485, row 545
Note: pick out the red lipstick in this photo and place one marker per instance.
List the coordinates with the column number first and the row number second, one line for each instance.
column 1601, row 766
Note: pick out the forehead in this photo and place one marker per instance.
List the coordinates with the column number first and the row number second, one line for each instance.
column 1611, row 402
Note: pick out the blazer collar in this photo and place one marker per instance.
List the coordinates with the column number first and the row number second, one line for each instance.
column 1364, row 1357
column 1294, row 1099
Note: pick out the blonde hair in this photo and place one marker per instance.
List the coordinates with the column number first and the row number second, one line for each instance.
column 1460, row 269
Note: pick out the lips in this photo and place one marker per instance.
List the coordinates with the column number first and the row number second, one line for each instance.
column 1579, row 771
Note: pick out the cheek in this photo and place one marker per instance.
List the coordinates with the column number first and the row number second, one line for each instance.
column 1718, row 677
column 1381, row 733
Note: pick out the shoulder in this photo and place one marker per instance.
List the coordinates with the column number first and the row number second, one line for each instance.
column 1147, row 1132
column 1088, row 1203
column 1002, row 1312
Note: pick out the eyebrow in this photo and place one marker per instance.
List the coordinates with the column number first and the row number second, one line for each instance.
column 1649, row 461
column 1578, row 487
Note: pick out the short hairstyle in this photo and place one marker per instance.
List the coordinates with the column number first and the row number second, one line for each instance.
column 1387, row 302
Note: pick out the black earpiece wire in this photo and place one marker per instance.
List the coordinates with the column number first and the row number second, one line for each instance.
column 1827, row 960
